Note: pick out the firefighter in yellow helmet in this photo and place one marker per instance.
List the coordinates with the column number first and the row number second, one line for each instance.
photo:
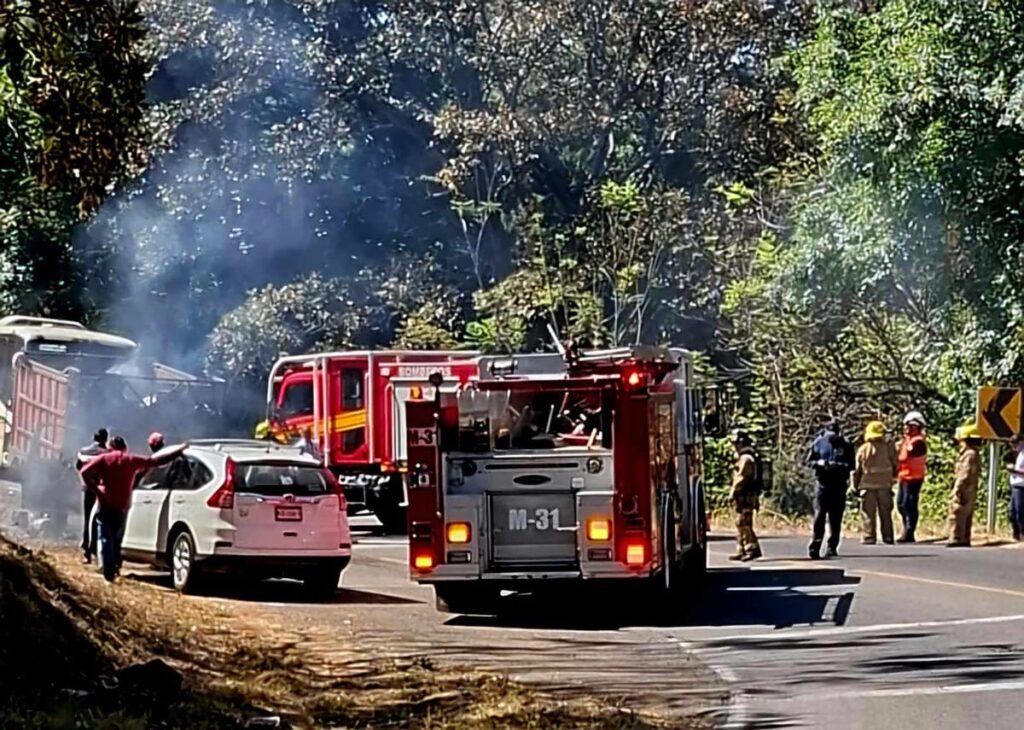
column 965, row 486
column 873, row 477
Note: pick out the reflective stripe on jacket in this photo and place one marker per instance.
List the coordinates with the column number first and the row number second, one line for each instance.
column 912, row 467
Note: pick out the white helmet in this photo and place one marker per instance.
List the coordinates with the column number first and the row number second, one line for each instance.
column 914, row 417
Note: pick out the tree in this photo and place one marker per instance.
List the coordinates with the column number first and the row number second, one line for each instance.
column 71, row 91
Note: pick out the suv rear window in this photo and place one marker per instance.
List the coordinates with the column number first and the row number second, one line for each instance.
column 276, row 480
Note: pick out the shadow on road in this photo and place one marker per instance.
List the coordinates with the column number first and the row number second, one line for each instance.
column 738, row 596
column 277, row 591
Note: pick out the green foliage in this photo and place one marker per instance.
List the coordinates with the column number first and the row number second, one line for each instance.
column 71, row 90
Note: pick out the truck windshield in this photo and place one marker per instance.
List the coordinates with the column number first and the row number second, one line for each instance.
column 525, row 419
column 297, row 399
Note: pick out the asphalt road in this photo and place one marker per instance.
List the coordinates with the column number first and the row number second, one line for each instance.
column 885, row 636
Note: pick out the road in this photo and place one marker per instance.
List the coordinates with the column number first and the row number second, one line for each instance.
column 885, row 636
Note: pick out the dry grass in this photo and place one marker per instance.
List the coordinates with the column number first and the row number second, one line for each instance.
column 235, row 667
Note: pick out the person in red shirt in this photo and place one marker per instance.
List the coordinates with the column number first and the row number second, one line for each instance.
column 112, row 477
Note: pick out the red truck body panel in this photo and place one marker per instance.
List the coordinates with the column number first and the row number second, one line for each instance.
column 352, row 407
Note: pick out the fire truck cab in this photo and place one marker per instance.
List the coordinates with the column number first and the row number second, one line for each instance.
column 551, row 470
column 348, row 408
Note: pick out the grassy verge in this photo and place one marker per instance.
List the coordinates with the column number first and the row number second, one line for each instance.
column 66, row 639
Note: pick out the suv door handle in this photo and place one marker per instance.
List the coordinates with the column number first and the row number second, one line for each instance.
column 180, row 500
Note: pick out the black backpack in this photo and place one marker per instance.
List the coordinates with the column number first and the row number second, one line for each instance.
column 762, row 473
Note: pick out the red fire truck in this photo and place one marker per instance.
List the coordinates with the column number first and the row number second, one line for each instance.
column 554, row 469
column 349, row 406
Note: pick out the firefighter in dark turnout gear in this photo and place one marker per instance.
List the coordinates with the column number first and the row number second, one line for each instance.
column 831, row 457
column 745, row 497
column 85, row 454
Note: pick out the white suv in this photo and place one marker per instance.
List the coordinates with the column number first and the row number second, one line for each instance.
column 252, row 507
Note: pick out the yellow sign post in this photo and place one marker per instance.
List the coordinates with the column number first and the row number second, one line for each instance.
column 998, row 419
column 998, row 412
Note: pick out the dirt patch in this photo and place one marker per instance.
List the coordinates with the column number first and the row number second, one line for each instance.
column 77, row 652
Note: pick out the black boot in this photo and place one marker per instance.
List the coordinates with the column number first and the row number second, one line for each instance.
column 814, row 551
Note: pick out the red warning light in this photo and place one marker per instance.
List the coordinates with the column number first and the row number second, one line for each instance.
column 633, row 378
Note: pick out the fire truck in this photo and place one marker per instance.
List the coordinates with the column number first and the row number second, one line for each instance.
column 557, row 470
column 348, row 407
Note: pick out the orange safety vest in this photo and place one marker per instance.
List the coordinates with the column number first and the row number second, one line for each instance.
column 911, row 467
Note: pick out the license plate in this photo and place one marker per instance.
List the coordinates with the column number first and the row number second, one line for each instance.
column 288, row 514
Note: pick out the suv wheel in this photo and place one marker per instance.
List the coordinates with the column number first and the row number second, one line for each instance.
column 183, row 563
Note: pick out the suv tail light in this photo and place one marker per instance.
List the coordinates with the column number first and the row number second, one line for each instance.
column 338, row 489
column 224, row 497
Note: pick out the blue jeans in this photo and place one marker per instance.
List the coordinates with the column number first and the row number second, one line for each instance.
column 1017, row 511
column 909, row 494
column 111, row 533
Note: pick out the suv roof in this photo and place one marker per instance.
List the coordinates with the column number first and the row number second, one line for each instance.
column 252, row 450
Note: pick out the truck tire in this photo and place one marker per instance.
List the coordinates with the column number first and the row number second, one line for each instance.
column 392, row 519
column 385, row 501
column 695, row 562
column 471, row 599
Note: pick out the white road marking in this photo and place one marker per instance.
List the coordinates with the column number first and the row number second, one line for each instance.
column 1007, row 686
column 846, row 630
column 737, row 709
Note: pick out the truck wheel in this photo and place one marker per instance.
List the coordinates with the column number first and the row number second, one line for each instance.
column 465, row 599
column 322, row 583
column 696, row 559
column 392, row 518
column 184, row 572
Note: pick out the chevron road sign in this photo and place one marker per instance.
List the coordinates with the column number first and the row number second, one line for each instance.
column 999, row 411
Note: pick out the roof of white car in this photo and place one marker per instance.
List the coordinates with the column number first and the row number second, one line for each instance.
column 251, row 450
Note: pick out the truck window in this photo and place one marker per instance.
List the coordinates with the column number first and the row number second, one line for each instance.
column 512, row 420
column 298, row 399
column 351, row 389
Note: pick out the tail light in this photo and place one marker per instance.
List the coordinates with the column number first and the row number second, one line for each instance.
column 423, row 562
column 458, row 532
column 337, row 489
column 599, row 529
column 635, row 554
column 224, row 497
column 634, row 378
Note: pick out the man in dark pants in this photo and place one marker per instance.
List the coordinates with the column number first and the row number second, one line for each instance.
column 113, row 475
column 831, row 457
column 913, row 454
column 85, row 454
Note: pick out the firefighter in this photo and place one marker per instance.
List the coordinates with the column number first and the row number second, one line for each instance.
column 112, row 476
column 86, row 453
column 745, row 497
column 913, row 454
column 965, row 486
column 155, row 441
column 831, row 457
column 873, row 478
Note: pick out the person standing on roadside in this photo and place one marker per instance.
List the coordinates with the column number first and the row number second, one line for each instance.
column 873, row 478
column 112, row 476
column 1016, row 469
column 745, row 497
column 155, row 441
column 85, row 454
column 965, row 486
column 831, row 457
column 913, row 454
